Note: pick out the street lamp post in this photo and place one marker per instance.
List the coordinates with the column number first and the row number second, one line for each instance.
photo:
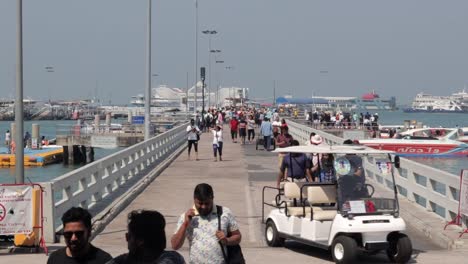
column 19, row 155
column 148, row 80
column 209, row 33
column 217, row 88
column 196, row 57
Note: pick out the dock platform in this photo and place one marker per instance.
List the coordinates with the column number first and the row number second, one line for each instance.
column 33, row 157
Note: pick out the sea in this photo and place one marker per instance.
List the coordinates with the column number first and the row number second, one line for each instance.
column 43, row 174
column 49, row 129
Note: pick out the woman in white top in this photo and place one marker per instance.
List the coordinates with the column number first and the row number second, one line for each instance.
column 250, row 128
column 217, row 142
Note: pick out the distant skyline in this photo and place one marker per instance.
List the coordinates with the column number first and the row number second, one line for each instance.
column 326, row 48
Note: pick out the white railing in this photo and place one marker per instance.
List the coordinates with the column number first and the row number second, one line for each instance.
column 435, row 190
column 98, row 183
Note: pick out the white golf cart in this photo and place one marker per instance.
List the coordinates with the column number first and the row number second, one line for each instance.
column 345, row 216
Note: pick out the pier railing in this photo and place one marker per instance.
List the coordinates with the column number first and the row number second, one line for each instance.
column 98, row 184
column 435, row 190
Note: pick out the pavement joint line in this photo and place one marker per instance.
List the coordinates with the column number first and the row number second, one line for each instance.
column 250, row 212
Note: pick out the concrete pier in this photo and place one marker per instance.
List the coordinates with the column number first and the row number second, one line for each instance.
column 237, row 183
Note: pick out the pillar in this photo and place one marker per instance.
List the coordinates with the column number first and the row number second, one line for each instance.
column 97, row 120
column 35, row 137
column 108, row 119
column 12, row 130
column 130, row 116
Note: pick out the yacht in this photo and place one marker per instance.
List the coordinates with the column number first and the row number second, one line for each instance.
column 455, row 103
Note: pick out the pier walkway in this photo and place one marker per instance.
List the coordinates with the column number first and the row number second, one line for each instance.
column 237, row 183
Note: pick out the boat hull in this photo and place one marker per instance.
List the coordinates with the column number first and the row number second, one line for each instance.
column 420, row 149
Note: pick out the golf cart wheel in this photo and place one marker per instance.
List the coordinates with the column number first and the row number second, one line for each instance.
column 400, row 249
column 344, row 249
column 272, row 236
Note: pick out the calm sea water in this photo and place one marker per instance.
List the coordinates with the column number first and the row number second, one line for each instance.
column 41, row 174
column 49, row 129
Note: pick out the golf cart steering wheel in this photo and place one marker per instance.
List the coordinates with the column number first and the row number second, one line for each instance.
column 370, row 189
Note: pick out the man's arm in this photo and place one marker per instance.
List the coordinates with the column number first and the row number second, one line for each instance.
column 278, row 180
column 309, row 175
column 177, row 240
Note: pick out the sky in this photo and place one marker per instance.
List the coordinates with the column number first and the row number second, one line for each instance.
column 305, row 47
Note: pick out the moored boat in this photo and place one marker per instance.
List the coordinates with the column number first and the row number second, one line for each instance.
column 423, row 142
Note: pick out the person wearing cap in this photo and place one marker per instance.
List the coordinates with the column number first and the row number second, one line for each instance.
column 315, row 158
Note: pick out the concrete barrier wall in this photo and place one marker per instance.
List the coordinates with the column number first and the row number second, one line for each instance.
column 95, row 185
column 435, row 190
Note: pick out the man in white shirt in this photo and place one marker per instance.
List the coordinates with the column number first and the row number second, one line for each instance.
column 193, row 135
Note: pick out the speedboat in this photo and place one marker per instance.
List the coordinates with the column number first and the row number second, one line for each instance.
column 464, row 136
column 423, row 142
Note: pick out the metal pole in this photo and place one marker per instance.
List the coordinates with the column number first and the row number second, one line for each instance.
column 209, row 69
column 196, row 56
column 19, row 155
column 274, row 93
column 187, row 99
column 148, row 81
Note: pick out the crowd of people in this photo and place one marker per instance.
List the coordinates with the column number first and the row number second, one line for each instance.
column 339, row 119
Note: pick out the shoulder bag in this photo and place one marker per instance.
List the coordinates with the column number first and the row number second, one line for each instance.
column 234, row 253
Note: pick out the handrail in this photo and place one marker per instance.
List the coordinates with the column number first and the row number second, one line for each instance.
column 96, row 184
column 433, row 189
column 272, row 205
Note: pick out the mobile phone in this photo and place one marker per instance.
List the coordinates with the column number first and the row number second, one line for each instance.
column 196, row 211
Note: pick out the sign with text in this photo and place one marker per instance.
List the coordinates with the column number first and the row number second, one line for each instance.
column 15, row 210
column 104, row 141
column 464, row 193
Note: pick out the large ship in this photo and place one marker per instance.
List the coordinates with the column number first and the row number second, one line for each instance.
column 455, row 103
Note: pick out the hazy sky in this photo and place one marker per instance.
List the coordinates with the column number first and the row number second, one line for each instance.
column 347, row 47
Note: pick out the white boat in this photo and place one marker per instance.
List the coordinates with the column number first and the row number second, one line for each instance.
column 423, row 142
column 455, row 103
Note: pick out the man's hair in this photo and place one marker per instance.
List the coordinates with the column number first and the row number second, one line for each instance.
column 77, row 214
column 312, row 134
column 203, row 192
column 348, row 142
column 148, row 226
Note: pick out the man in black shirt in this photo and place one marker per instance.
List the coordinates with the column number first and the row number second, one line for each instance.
column 77, row 231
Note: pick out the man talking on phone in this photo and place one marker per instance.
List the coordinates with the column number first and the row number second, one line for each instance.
column 200, row 225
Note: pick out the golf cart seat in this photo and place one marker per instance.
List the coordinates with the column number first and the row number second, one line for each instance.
column 322, row 194
column 292, row 198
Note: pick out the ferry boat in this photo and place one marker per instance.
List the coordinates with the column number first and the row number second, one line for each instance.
column 423, row 142
column 455, row 103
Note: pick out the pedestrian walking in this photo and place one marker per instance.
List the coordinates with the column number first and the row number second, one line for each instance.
column 77, row 233
column 208, row 234
column 234, row 124
column 193, row 135
column 266, row 130
column 146, row 240
column 250, row 129
column 217, row 142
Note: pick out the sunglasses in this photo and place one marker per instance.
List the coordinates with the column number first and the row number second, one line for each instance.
column 78, row 234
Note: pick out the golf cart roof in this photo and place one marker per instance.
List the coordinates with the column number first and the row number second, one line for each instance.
column 335, row 149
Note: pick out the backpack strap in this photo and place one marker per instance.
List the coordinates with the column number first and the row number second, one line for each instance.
column 219, row 212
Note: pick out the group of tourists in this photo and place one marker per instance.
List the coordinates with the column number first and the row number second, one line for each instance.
column 339, row 119
column 209, row 229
